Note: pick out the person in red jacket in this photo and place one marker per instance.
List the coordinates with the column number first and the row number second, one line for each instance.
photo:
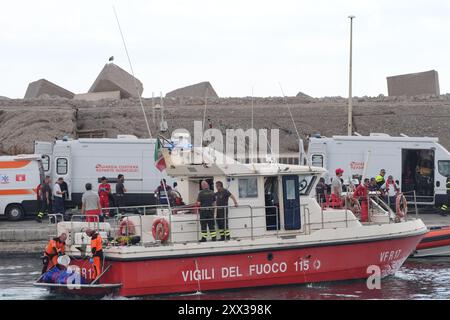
column 104, row 191
column 360, row 194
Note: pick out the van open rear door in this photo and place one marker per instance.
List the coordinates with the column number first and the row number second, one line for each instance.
column 418, row 175
column 46, row 150
column 62, row 162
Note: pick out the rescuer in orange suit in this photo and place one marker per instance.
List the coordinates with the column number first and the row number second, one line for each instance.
column 54, row 249
column 97, row 251
column 361, row 193
column 104, row 191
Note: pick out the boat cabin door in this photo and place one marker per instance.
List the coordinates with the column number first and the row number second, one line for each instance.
column 291, row 203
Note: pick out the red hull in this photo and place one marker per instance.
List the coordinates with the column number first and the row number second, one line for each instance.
column 263, row 268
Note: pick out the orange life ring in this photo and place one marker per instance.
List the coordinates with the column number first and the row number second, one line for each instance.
column 158, row 234
column 127, row 225
column 399, row 201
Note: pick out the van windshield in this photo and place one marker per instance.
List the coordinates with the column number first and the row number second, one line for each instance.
column 444, row 167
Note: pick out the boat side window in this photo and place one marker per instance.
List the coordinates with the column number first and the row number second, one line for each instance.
column 306, row 183
column 46, row 163
column 317, row 160
column 61, row 166
column 248, row 187
column 444, row 167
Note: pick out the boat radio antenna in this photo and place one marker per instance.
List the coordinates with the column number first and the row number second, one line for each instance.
column 289, row 109
column 204, row 120
column 204, row 109
column 253, row 129
column 132, row 72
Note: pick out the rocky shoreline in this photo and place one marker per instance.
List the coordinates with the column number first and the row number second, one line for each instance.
column 22, row 121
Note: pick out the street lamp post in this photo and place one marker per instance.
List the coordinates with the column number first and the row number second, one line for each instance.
column 350, row 100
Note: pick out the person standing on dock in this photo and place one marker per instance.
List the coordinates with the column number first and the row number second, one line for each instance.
column 391, row 190
column 361, row 194
column 162, row 192
column 380, row 178
column 58, row 194
column 90, row 204
column 445, row 206
column 54, row 249
column 65, row 191
column 321, row 192
column 45, row 198
column 120, row 191
column 373, row 184
column 222, row 196
column 336, row 189
column 96, row 250
column 104, row 192
column 206, row 200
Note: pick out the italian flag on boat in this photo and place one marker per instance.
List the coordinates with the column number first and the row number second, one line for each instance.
column 160, row 163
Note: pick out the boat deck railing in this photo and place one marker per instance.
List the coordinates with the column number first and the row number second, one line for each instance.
column 243, row 221
column 377, row 204
column 257, row 222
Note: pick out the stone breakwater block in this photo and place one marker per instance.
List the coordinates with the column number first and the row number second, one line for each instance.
column 97, row 96
column 199, row 90
column 114, row 78
column 414, row 84
column 44, row 87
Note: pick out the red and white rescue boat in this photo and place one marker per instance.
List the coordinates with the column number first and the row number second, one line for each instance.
column 279, row 235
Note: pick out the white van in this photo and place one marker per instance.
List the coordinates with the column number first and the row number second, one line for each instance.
column 419, row 164
column 20, row 177
column 87, row 160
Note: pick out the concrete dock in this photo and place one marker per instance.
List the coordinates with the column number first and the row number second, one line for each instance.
column 30, row 237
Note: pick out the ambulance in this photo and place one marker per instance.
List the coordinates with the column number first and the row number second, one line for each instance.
column 420, row 164
column 79, row 161
column 20, row 177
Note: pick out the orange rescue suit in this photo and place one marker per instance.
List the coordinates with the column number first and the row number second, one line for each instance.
column 97, row 253
column 361, row 193
column 55, row 248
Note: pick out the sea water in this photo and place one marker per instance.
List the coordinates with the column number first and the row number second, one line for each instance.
column 427, row 278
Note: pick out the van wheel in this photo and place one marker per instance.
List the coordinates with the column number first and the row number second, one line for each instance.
column 14, row 212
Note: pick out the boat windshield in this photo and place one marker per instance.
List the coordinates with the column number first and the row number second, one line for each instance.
column 306, row 182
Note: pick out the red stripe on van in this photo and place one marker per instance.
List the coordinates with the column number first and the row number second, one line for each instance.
column 16, row 192
column 14, row 164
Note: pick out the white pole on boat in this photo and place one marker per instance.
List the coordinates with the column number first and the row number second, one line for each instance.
column 252, row 127
column 350, row 102
column 132, row 72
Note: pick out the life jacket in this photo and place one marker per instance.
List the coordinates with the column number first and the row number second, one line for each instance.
column 54, row 247
column 394, row 185
column 96, row 245
column 379, row 179
column 361, row 192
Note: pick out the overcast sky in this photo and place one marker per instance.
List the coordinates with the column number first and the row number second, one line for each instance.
column 234, row 44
